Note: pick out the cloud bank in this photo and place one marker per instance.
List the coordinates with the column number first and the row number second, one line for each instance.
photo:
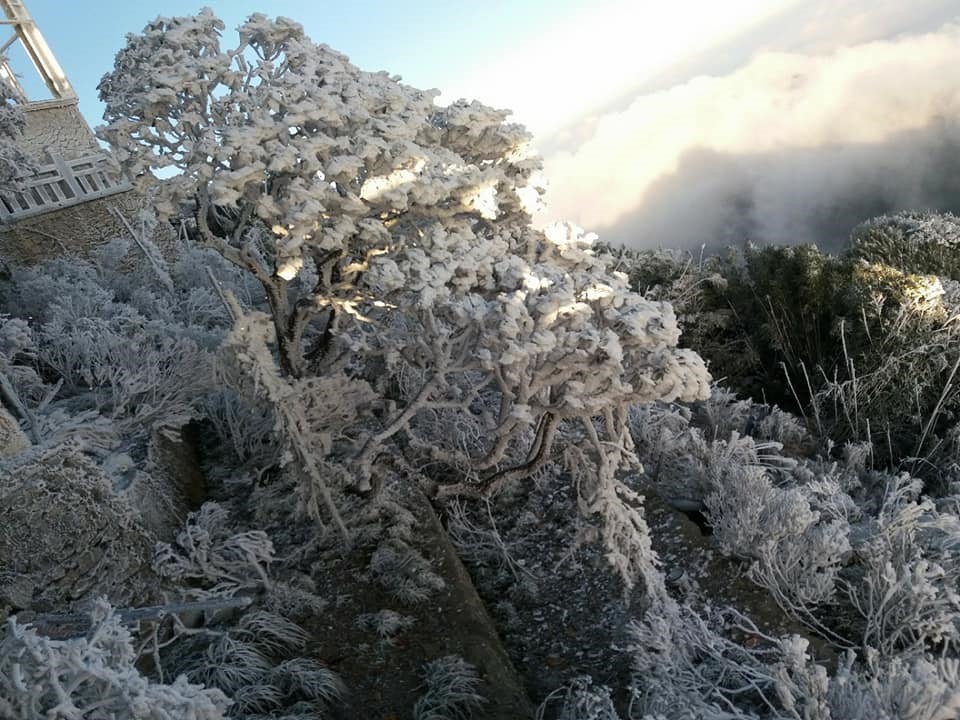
column 788, row 147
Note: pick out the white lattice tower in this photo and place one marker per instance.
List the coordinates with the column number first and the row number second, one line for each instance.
column 25, row 32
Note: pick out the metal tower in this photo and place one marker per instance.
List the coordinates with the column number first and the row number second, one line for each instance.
column 26, row 33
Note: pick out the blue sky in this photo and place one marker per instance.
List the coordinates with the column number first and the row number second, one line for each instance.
column 430, row 43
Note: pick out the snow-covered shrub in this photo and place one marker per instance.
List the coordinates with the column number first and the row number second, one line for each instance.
column 908, row 593
column 900, row 689
column 210, row 558
column 230, row 664
column 719, row 665
column 915, row 242
column 310, row 415
column 143, row 373
column 623, row 529
column 259, row 664
column 452, row 688
column 273, row 634
column 580, row 699
column 800, row 560
column 310, row 679
column 695, row 287
column 560, row 340
column 386, row 624
column 695, row 467
column 295, row 598
column 684, row 666
column 403, row 572
column 788, row 521
column 724, row 413
column 658, row 430
column 92, row 677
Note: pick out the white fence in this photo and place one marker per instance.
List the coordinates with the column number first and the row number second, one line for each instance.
column 61, row 184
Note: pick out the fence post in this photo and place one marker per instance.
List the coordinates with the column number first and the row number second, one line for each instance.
column 66, row 172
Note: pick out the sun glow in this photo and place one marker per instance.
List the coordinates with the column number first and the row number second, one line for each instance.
column 569, row 71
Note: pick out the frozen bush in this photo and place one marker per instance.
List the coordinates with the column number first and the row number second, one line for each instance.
column 684, row 667
column 452, row 690
column 907, row 592
column 92, row 677
column 210, row 554
column 404, row 572
column 580, row 700
column 918, row 242
column 310, row 679
column 386, row 624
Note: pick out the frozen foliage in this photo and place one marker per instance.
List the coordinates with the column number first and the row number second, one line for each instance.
column 310, row 679
column 261, row 658
column 386, row 624
column 908, row 593
column 296, row 601
column 19, row 385
column 258, row 664
column 918, row 689
column 857, row 555
column 721, row 666
column 580, row 700
column 139, row 374
column 14, row 164
column 230, row 664
column 478, row 544
column 309, row 413
column 272, row 633
column 916, row 242
column 210, row 554
column 683, row 668
column 795, row 551
column 121, row 360
column 421, row 329
column 426, row 276
column 403, row 572
column 452, row 690
column 559, row 340
column 92, row 677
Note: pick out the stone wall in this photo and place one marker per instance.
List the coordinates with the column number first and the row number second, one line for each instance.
column 56, row 126
column 74, row 230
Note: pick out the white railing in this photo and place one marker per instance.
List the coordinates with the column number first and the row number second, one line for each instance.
column 61, row 184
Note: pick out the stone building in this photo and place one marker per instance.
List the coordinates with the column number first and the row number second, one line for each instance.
column 72, row 201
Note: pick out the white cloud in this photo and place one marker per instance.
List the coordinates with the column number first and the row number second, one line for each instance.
column 607, row 49
column 748, row 123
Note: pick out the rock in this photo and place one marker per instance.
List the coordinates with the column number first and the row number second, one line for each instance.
column 386, row 679
column 64, row 536
column 12, row 438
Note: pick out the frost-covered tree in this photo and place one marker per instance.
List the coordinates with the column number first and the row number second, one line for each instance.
column 393, row 237
column 14, row 164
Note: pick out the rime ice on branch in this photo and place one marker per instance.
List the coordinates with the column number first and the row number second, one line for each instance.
column 413, row 224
